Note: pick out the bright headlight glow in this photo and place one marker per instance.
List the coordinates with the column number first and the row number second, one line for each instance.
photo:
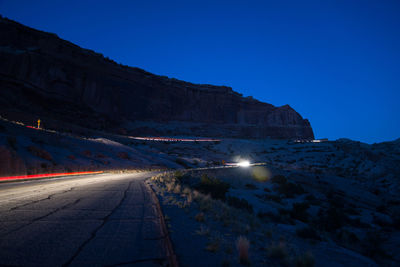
column 244, row 163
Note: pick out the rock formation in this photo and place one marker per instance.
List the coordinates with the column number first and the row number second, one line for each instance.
column 44, row 75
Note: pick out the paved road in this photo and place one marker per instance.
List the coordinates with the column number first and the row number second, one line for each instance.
column 97, row 220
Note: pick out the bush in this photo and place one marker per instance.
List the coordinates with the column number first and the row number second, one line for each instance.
column 331, row 219
column 251, row 186
column 239, row 203
column 346, row 237
column 181, row 162
column 299, row 211
column 178, row 175
column 87, row 153
column 12, row 142
column 216, row 188
column 290, row 190
column 199, row 217
column 279, row 179
column 270, row 216
column 243, row 245
column 274, row 198
column 71, row 157
column 372, row 245
column 396, row 220
column 277, row 251
column 213, row 246
column 308, row 232
column 123, row 155
column 310, row 198
column 41, row 153
column 305, row 260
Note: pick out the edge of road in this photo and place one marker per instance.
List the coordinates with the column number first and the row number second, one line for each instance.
column 167, row 240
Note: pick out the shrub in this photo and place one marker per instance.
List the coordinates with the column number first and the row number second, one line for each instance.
column 251, row 186
column 199, row 217
column 179, row 175
column 331, row 219
column 243, row 245
column 12, row 142
column 41, row 153
column 396, row 220
column 270, row 216
column 274, row 198
column 203, row 231
column 214, row 245
column 177, row 189
column 225, row 262
column 372, row 245
column 213, row 186
column 239, row 203
column 277, row 251
column 310, row 198
column 290, row 189
column 181, row 162
column 299, row 211
column 279, row 179
column 308, row 232
column 205, row 203
column 87, row 153
column 305, row 260
column 346, row 237
column 123, row 155
column 71, row 157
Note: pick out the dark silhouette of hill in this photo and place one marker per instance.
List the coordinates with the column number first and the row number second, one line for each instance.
column 43, row 75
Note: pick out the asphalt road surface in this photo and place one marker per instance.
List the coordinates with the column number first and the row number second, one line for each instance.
column 95, row 220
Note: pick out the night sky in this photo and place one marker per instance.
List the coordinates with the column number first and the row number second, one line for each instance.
column 335, row 62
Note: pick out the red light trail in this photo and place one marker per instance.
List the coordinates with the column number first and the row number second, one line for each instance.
column 45, row 175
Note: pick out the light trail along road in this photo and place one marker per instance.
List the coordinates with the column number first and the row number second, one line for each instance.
column 95, row 220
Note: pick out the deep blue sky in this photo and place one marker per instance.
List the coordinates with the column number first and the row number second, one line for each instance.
column 336, row 62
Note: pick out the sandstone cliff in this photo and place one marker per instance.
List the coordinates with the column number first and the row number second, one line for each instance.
column 44, row 75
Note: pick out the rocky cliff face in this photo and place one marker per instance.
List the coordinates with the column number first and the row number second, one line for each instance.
column 45, row 75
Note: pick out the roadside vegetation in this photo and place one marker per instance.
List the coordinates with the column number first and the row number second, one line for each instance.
column 283, row 220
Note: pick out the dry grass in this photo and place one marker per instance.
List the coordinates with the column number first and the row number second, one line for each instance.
column 123, row 155
column 214, row 245
column 278, row 251
column 187, row 191
column 243, row 245
column 189, row 198
column 177, row 189
column 41, row 153
column 205, row 203
column 199, row 217
column 170, row 186
column 203, row 230
column 71, row 157
column 87, row 153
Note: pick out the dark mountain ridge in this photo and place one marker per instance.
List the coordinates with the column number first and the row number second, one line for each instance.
column 43, row 75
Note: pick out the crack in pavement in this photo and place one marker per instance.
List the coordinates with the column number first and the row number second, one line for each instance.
column 159, row 261
column 94, row 232
column 157, row 238
column 41, row 217
column 43, row 199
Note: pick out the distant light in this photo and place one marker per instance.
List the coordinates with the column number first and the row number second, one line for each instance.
column 245, row 163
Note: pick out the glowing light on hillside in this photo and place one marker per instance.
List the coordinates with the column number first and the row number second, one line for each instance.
column 244, row 163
